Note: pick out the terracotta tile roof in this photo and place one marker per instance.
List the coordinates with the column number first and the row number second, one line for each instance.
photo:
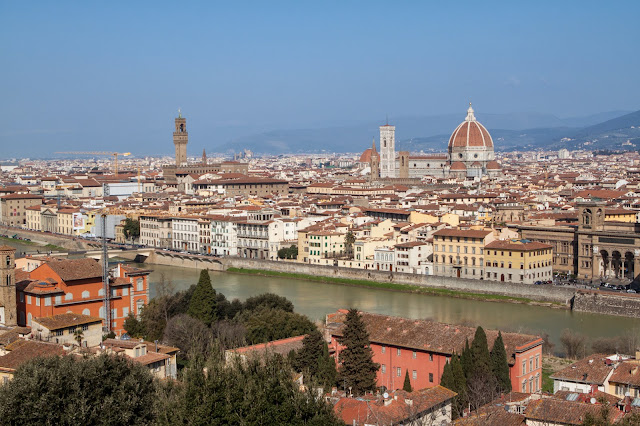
column 124, row 344
column 428, row 335
column 592, row 370
column 628, row 373
column 25, row 350
column 564, row 412
column 517, row 245
column 151, row 357
column 471, row 233
column 494, row 416
column 66, row 320
column 282, row 346
column 361, row 411
column 76, row 269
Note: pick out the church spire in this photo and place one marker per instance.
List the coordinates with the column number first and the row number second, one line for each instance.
column 373, row 145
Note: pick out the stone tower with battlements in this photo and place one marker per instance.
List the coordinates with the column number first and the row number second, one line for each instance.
column 8, row 308
column 180, row 140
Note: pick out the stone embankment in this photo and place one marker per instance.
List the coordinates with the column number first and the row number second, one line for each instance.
column 608, row 303
column 64, row 241
column 544, row 293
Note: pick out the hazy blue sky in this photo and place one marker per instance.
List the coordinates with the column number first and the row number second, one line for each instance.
column 111, row 75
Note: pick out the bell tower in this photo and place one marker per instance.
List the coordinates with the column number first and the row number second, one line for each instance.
column 374, row 163
column 8, row 308
column 388, row 151
column 180, row 140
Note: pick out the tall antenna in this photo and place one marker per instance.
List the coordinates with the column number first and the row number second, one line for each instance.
column 105, row 274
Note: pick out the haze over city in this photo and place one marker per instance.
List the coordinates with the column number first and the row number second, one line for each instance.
column 97, row 76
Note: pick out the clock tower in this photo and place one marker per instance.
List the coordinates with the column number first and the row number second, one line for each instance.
column 8, row 308
column 180, row 140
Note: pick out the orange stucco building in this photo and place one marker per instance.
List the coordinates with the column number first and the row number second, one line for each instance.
column 423, row 347
column 59, row 286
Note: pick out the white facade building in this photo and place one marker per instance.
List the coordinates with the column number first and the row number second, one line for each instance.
column 185, row 234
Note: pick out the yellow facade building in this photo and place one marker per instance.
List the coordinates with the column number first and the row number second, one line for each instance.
column 460, row 252
column 518, row 261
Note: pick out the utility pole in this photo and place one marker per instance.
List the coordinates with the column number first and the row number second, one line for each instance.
column 105, row 275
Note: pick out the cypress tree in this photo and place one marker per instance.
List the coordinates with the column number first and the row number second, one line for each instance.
column 446, row 380
column 480, row 360
column 327, row 373
column 465, row 359
column 357, row 370
column 459, row 386
column 407, row 382
column 500, row 366
column 202, row 305
column 307, row 358
column 481, row 383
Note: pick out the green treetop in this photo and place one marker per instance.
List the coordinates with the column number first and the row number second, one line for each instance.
column 202, row 305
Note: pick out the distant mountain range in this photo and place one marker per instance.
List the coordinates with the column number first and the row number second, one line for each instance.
column 516, row 131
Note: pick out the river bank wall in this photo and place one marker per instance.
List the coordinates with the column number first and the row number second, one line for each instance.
column 600, row 302
column 66, row 242
column 546, row 293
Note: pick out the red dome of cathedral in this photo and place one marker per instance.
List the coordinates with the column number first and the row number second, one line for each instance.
column 470, row 133
column 493, row 165
column 366, row 156
column 458, row 165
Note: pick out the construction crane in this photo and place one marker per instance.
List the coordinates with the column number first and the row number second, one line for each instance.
column 115, row 155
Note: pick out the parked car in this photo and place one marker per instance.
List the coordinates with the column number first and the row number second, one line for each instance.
column 631, row 291
column 538, row 283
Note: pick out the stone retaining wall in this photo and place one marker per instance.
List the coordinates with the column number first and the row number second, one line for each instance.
column 185, row 261
column 67, row 242
column 600, row 302
column 543, row 293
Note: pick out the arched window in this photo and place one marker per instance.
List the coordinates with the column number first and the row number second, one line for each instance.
column 86, row 312
column 29, row 317
column 68, row 296
column 101, row 312
column 8, row 261
column 85, row 294
column 100, row 292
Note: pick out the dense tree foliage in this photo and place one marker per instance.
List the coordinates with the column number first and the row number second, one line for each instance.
column 131, row 228
column 266, row 324
column 203, row 303
column 110, row 389
column 349, row 241
column 249, row 392
column 288, row 252
column 357, row 370
column 500, row 366
column 268, row 300
column 314, row 361
column 67, row 390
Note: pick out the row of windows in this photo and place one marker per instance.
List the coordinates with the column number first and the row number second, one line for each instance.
column 531, row 361
column 457, row 239
column 531, row 265
column 72, row 330
column 436, row 247
column 458, row 260
column 414, row 373
column 414, row 354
